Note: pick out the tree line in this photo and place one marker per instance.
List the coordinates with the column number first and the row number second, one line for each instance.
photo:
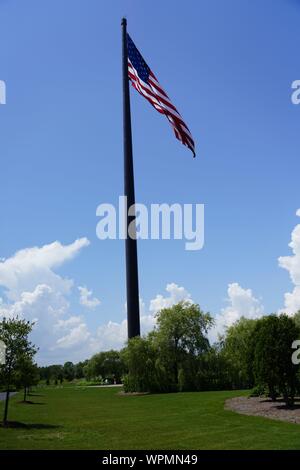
column 177, row 356
column 106, row 367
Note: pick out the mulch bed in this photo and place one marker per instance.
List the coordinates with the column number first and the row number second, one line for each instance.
column 258, row 406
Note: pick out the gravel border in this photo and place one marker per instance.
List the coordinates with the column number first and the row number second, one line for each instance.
column 258, row 406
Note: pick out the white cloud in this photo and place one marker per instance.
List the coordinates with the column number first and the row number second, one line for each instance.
column 242, row 303
column 292, row 265
column 69, row 323
column 46, row 307
column 111, row 335
column 78, row 335
column 32, row 266
column 35, row 292
column 114, row 334
column 148, row 322
column 86, row 298
column 42, row 302
column 291, row 302
column 176, row 294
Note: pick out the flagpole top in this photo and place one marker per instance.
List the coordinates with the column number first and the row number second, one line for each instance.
column 124, row 21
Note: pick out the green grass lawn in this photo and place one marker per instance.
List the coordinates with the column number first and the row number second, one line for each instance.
column 93, row 418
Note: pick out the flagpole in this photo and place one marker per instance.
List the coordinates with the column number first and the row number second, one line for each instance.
column 132, row 283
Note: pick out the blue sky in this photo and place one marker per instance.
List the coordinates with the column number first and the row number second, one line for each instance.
column 228, row 67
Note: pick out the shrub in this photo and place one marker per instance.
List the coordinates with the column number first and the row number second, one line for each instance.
column 258, row 391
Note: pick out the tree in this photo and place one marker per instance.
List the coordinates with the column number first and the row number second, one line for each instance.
column 44, row 373
column 56, row 373
column 238, row 349
column 273, row 365
column 27, row 375
column 69, row 371
column 112, row 365
column 167, row 359
column 296, row 318
column 214, row 371
column 14, row 333
column 106, row 364
column 144, row 371
column 181, row 334
column 79, row 369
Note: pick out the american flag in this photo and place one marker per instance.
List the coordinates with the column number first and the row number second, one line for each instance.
column 144, row 81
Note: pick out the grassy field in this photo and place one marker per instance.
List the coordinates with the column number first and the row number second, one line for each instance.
column 93, row 418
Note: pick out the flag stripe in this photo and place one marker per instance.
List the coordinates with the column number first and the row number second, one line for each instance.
column 146, row 90
column 155, row 99
column 146, row 83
